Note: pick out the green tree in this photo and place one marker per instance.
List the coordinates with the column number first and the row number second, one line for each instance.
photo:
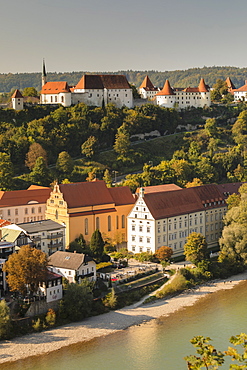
column 40, row 173
column 26, row 269
column 35, row 151
column 90, row 147
column 97, row 245
column 211, row 128
column 239, row 129
column 209, row 358
column 195, row 250
column 6, row 172
column 193, row 183
column 219, row 90
column 5, row 320
column 65, row 163
column 30, row 91
column 79, row 245
column 122, row 142
column 77, row 301
column 107, row 178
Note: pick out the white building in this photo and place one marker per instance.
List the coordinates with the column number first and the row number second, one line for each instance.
column 20, row 206
column 17, row 100
column 241, row 93
column 197, row 97
column 46, row 235
column 167, row 218
column 52, row 287
column 147, row 90
column 95, row 90
column 73, row 266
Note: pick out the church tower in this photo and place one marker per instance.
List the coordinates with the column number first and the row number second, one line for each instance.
column 43, row 74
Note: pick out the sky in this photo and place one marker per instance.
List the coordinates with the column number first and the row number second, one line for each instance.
column 114, row 35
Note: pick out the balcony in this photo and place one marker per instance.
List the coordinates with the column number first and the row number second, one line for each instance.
column 55, row 236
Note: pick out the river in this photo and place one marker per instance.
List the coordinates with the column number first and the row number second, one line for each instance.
column 159, row 344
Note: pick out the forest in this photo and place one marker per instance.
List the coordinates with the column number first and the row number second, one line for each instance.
column 177, row 78
column 41, row 144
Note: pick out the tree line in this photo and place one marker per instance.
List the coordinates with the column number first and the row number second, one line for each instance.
column 177, row 78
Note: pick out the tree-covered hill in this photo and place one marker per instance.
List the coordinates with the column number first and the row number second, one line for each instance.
column 179, row 78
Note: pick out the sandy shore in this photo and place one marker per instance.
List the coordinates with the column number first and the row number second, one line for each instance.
column 102, row 325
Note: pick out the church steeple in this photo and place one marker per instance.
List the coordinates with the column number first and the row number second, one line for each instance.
column 43, row 74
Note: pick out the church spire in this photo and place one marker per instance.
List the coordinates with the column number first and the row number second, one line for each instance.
column 43, row 74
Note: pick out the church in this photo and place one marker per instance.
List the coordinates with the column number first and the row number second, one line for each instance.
column 96, row 90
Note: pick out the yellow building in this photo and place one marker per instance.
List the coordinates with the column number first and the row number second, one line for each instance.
column 84, row 207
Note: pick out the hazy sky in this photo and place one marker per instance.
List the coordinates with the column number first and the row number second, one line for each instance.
column 112, row 35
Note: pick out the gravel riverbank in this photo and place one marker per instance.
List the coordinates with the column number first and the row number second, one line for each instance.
column 102, row 325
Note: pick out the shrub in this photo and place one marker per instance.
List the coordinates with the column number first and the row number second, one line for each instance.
column 110, row 299
column 177, row 285
column 50, row 318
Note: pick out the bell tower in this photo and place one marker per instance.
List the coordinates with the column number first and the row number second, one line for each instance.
column 43, row 74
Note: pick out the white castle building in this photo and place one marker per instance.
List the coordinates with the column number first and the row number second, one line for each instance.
column 94, row 90
column 169, row 97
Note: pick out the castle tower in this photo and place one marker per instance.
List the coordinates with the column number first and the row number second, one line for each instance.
column 43, row 74
column 17, row 100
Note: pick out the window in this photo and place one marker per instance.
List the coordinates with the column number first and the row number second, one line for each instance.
column 148, row 229
column 133, row 248
column 39, row 210
column 140, row 228
column 56, row 99
column 97, row 223
column 116, row 222
column 16, row 212
column 123, row 221
column 169, row 227
column 33, row 210
column 148, row 240
column 8, row 212
column 158, row 229
column 109, row 223
column 133, row 238
column 133, row 227
column 164, row 228
column 62, row 99
column 140, row 239
column 86, row 226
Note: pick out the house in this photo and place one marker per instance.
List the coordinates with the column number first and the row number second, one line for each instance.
column 241, row 93
column 17, row 100
column 168, row 217
column 46, row 235
column 197, row 97
column 73, row 266
column 20, row 206
column 6, row 249
column 147, row 90
column 51, row 288
column 84, row 207
column 96, row 90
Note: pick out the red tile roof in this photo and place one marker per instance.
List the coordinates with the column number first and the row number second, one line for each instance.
column 146, row 83
column 202, row 86
column 242, row 88
column 158, row 188
column 82, row 194
column 103, row 81
column 179, row 202
column 167, row 90
column 122, row 195
column 230, row 84
column 55, row 87
column 23, row 197
column 4, row 223
column 17, row 94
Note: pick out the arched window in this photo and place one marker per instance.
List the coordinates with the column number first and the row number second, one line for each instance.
column 62, row 99
column 97, row 223
column 86, row 226
column 123, row 221
column 56, row 214
column 116, row 222
column 109, row 223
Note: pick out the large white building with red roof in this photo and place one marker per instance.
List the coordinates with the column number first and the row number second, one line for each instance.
column 96, row 90
column 167, row 217
column 241, row 93
column 20, row 206
column 147, row 90
column 197, row 97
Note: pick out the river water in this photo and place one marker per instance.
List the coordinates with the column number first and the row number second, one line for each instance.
column 159, row 344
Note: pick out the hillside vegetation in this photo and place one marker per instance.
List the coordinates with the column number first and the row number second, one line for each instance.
column 178, row 78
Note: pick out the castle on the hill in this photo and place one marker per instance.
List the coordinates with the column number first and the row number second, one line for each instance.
column 91, row 89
